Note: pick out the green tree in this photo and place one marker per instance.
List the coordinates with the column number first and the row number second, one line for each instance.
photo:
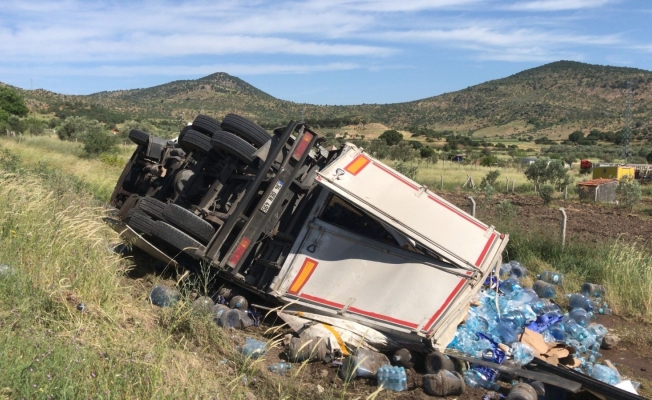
column 426, row 152
column 547, row 172
column 11, row 104
column 74, row 128
column 576, row 136
column 569, row 159
column 649, row 157
column 629, row 193
column 391, row 137
column 97, row 140
column 488, row 161
column 545, row 192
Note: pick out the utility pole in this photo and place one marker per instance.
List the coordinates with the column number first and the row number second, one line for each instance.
column 627, row 132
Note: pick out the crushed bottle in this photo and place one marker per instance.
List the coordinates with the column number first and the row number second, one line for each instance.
column 280, row 368
column 522, row 353
column 603, row 373
column 253, row 348
column 476, row 380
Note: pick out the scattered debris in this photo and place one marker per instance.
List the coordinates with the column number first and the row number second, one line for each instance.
column 81, row 307
column 280, row 368
column 253, row 348
column 392, row 378
column 6, row 269
column 444, row 383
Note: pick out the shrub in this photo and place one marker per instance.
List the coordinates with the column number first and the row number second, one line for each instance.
column 505, row 210
column 545, row 192
column 490, row 178
column 405, row 169
column 629, row 193
column 98, row 140
column 391, row 137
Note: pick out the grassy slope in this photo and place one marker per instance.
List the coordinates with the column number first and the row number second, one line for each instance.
column 566, row 95
column 122, row 347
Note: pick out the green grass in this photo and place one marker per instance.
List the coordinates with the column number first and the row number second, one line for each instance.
column 624, row 268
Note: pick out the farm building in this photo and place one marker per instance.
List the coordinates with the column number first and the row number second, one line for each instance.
column 598, row 190
column 617, row 172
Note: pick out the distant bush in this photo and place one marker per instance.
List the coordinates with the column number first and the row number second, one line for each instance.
column 391, row 137
column 629, row 193
column 546, row 192
column 98, row 140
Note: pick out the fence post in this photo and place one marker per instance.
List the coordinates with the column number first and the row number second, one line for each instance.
column 507, row 185
column 566, row 192
column 512, row 186
column 442, row 181
column 563, row 226
column 472, row 206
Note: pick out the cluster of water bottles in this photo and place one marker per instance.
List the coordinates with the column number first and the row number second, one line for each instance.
column 505, row 308
column 392, row 378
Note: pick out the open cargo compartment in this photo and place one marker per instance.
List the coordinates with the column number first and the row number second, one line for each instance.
column 384, row 251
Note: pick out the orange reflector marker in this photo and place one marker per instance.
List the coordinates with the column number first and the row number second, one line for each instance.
column 306, row 270
column 303, row 145
column 357, row 165
column 238, row 252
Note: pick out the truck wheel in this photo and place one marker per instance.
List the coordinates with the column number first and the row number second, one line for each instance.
column 139, row 137
column 196, row 142
column 152, row 206
column 206, row 124
column 175, row 237
column 233, row 145
column 188, row 222
column 248, row 130
column 183, row 132
column 141, row 223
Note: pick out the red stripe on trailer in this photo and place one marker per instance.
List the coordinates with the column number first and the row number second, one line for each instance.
column 491, row 240
column 450, row 297
column 321, row 301
column 382, row 317
column 410, row 184
column 461, row 214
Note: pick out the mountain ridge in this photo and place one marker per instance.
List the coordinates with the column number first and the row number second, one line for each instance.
column 558, row 93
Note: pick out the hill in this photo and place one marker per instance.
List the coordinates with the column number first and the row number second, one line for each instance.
column 563, row 94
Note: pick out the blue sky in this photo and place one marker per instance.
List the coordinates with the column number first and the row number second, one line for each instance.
column 320, row 52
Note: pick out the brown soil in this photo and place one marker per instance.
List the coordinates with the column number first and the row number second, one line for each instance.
column 586, row 222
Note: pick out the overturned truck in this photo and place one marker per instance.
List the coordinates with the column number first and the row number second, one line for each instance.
column 331, row 232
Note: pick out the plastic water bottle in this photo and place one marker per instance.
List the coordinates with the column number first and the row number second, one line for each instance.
column 522, row 353
column 598, row 330
column 477, row 323
column 558, row 332
column 163, row 296
column 551, row 277
column 506, row 331
column 581, row 316
column 280, row 368
column 510, row 285
column 544, row 289
column 476, row 380
column 519, row 271
column 253, row 348
column 578, row 300
column 505, row 271
column 592, row 290
column 603, row 373
column 392, row 378
column 515, row 317
column 604, row 309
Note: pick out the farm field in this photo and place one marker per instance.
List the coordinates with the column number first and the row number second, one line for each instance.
column 51, row 233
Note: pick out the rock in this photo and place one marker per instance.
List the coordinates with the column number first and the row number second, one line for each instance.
column 320, row 389
column 250, row 396
column 323, row 373
column 610, row 341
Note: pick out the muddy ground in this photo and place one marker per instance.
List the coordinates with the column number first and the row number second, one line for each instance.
column 586, row 222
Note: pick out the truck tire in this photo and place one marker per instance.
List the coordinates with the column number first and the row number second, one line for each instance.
column 188, row 222
column 248, row 130
column 139, row 137
column 152, row 207
column 141, row 223
column 130, row 214
column 175, row 237
column 195, row 142
column 233, row 145
column 206, row 125
column 183, row 132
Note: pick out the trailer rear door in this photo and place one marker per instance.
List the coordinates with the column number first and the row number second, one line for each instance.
column 411, row 209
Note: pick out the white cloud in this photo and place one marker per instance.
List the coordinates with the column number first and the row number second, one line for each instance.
column 557, row 5
column 177, row 70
